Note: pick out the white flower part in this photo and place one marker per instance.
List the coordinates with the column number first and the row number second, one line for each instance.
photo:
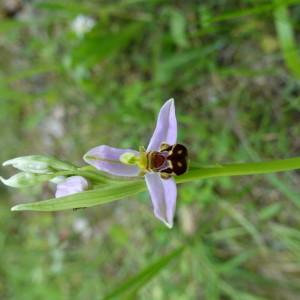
column 82, row 24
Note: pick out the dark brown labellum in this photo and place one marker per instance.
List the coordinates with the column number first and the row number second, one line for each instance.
column 177, row 158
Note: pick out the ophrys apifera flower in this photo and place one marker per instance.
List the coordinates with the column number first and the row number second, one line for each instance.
column 162, row 160
column 79, row 187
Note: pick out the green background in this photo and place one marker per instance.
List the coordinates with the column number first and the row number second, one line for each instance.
column 233, row 68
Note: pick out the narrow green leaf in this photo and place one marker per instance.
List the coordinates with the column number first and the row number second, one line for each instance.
column 132, row 285
column 99, row 45
column 70, row 7
column 232, row 264
column 227, row 234
column 8, row 25
column 30, row 72
column 287, row 39
column 255, row 10
column 208, row 271
column 237, row 294
column 86, row 199
column 248, row 226
column 178, row 28
column 270, row 211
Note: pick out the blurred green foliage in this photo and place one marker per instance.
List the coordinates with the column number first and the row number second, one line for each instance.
column 233, row 69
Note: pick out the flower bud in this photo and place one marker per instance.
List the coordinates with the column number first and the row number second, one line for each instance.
column 39, row 164
column 24, row 179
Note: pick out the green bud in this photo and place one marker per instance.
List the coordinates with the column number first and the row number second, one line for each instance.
column 24, row 179
column 39, row 164
column 129, row 158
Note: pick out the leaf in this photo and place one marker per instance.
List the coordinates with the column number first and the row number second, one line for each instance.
column 254, row 10
column 132, row 285
column 270, row 211
column 99, row 45
column 69, row 7
column 236, row 215
column 167, row 70
column 237, row 261
column 178, row 28
column 8, row 25
column 208, row 271
column 287, row 39
column 237, row 294
column 106, row 194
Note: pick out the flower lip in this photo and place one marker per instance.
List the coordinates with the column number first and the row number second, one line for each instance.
column 159, row 161
column 177, row 159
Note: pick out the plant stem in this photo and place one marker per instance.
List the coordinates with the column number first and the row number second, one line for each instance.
column 240, row 169
column 88, row 174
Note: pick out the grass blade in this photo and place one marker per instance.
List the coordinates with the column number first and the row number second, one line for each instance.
column 248, row 226
column 287, row 39
column 132, row 285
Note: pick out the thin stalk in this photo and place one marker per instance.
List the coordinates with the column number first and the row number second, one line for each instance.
column 241, row 169
column 87, row 174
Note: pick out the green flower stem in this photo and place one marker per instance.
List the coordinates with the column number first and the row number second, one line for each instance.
column 97, row 176
column 240, row 169
column 93, row 175
column 196, row 173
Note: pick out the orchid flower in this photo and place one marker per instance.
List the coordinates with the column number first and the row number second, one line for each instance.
column 150, row 163
column 162, row 159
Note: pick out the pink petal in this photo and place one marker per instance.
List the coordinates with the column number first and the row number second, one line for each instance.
column 72, row 185
column 166, row 127
column 107, row 159
column 163, row 194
